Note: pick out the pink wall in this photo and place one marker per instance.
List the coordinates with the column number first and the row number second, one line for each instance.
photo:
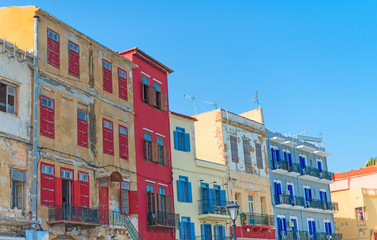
column 357, row 181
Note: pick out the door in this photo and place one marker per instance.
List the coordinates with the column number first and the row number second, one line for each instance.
column 290, row 189
column 308, row 196
column 319, row 163
column 312, row 230
column 294, row 228
column 282, row 228
column 206, row 231
column 277, row 192
column 302, row 165
column 104, row 204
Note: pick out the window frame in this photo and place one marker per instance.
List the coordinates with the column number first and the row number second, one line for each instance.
column 158, row 100
column 122, row 81
column 71, row 53
column 160, row 150
column 53, row 51
column 81, row 191
column 109, row 80
column 79, row 131
column 362, row 211
column 126, row 188
column 15, row 98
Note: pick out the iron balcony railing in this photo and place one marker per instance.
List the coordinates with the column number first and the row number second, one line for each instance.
column 294, row 167
column 298, row 201
column 73, row 213
column 326, row 175
column 164, row 219
column 280, row 164
column 116, row 219
column 287, row 199
column 304, row 235
column 259, row 219
column 210, row 206
column 314, row 172
column 210, row 237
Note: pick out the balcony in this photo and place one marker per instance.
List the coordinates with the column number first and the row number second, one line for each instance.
column 329, row 207
column 309, row 173
column 259, row 219
column 304, row 235
column 73, row 215
column 162, row 219
column 213, row 210
column 209, row 237
column 314, row 205
column 326, row 177
column 285, row 201
column 298, row 202
column 279, row 166
column 294, row 169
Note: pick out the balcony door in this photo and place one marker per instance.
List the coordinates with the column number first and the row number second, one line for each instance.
column 323, row 196
column 67, row 183
column 312, row 230
column 277, row 187
column 104, row 200
column 328, row 228
column 207, row 198
column 319, row 164
column 302, row 164
column 206, row 231
column 282, row 227
column 308, row 195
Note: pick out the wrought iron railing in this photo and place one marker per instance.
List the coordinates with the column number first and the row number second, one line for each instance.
column 164, row 219
column 294, row 167
column 73, row 213
column 298, row 201
column 116, row 219
column 314, row 172
column 326, row 175
column 280, row 164
column 212, row 237
column 208, row 206
column 259, row 219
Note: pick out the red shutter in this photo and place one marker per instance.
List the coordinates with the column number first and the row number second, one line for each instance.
column 47, row 118
column 58, row 191
column 47, row 187
column 122, row 85
column 84, row 194
column 82, row 132
column 164, row 102
column 73, row 61
column 76, row 194
column 123, row 143
column 155, row 152
column 134, row 203
column 53, row 51
column 108, row 138
column 107, row 78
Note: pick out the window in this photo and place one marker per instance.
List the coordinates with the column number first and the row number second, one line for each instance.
column 218, row 199
column 312, row 228
column 146, row 93
column 184, row 189
column 246, row 155
column 124, row 195
column 160, row 150
column 308, row 196
column 234, row 149
column 148, row 147
column 122, row 82
column 107, row 76
column 47, row 184
column 187, row 230
column 82, row 128
column 150, row 199
column 251, row 205
column 258, row 151
column 47, row 117
column 84, row 189
column 162, row 196
column 360, row 214
column 123, row 142
column 328, row 228
column 219, row 232
column 108, row 137
column 158, row 100
column 18, row 188
column 73, row 59
column 53, row 48
column 206, row 230
column 8, row 99
column 181, row 140
column 262, row 204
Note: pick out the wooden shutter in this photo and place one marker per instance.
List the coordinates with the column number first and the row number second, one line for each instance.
column 84, row 194
column 82, row 132
column 108, row 138
column 73, row 59
column 122, row 84
column 234, row 149
column 164, row 102
column 187, row 142
column 247, row 157
column 134, row 203
column 107, row 77
column 58, row 192
column 76, row 194
column 123, row 143
column 169, row 204
column 47, row 189
column 166, row 156
column 258, row 150
column 155, row 152
column 47, row 118
column 53, row 49
column 124, row 201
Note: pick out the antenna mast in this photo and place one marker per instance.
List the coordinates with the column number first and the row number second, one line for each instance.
column 256, row 99
column 193, row 99
column 214, row 104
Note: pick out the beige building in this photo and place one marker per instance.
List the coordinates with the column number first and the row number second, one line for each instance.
column 199, row 186
column 238, row 141
column 85, row 132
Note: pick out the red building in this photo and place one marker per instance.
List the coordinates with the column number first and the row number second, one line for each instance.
column 152, row 147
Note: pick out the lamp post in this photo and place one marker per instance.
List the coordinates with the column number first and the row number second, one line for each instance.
column 233, row 212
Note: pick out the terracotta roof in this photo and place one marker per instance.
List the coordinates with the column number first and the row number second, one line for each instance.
column 356, row 172
column 184, row 116
column 148, row 59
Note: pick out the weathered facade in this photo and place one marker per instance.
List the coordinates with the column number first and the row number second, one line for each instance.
column 355, row 193
column 238, row 141
column 86, row 158
column 16, row 79
column 157, row 219
column 199, row 186
column 300, row 192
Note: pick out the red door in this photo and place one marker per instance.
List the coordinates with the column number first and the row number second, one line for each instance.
column 104, row 204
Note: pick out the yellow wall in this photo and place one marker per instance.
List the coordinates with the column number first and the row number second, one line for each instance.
column 197, row 171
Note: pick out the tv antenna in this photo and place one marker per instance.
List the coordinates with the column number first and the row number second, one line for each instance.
column 256, row 99
column 193, row 99
column 214, row 104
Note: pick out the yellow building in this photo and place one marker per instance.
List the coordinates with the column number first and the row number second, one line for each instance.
column 355, row 193
column 199, row 186
column 85, row 131
column 238, row 141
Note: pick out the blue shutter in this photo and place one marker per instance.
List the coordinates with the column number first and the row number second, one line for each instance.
column 272, row 154
column 210, row 190
column 319, row 166
column 279, row 225
column 192, row 231
column 179, row 190
column 189, row 192
column 217, row 232
column 222, row 233
column 176, row 145
column 187, row 142
column 290, row 157
column 330, row 230
column 310, row 194
column 276, row 193
column 223, row 198
column 314, row 227
column 284, row 224
column 203, row 231
column 182, row 230
column 278, row 155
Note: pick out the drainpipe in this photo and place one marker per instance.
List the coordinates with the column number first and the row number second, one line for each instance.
column 35, row 131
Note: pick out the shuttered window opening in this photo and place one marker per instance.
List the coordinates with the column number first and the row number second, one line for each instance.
column 108, row 137
column 82, row 128
column 258, row 151
column 8, row 99
column 47, row 117
column 18, row 189
column 73, row 59
column 145, row 90
column 184, row 190
column 247, row 157
column 123, row 142
column 148, row 147
column 181, row 140
column 47, row 184
column 234, row 149
column 160, row 150
column 125, row 194
column 67, row 174
column 107, row 76
column 158, row 100
column 122, row 82
column 53, row 48
column 82, row 194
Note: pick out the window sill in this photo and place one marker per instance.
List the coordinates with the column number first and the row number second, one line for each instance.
column 10, row 114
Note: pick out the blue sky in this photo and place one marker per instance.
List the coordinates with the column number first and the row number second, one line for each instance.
column 313, row 63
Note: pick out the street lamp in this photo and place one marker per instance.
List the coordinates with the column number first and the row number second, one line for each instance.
column 233, row 212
